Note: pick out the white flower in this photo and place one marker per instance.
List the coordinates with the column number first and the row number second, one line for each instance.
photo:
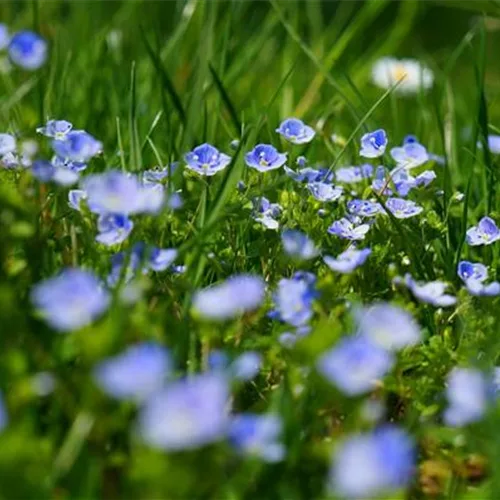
column 411, row 74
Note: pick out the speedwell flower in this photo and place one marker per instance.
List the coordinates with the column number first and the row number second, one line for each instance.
column 344, row 228
column 355, row 365
column 298, row 245
column 28, row 50
column 474, row 275
column 467, row 395
column 7, row 144
column 258, row 436
column 403, row 209
column 347, row 261
column 56, row 129
column 113, row 229
column 373, row 144
column 77, row 146
column 264, row 157
column 206, row 160
column 371, row 464
column 266, row 212
column 351, row 175
column 364, row 208
column 411, row 75
column 296, row 131
column 231, row 298
column 410, row 155
column 325, row 192
column 71, row 300
column 136, row 373
column 432, row 292
column 485, row 233
column 187, row 414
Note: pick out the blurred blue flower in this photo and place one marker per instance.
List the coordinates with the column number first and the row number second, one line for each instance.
column 388, row 326
column 246, row 366
column 485, row 233
column 403, row 209
column 136, row 373
column 307, row 174
column 75, row 197
column 290, row 338
column 77, row 146
column 467, row 395
column 301, row 161
column 266, row 212
column 410, row 139
column 355, row 365
column 159, row 174
column 187, row 414
column 217, row 360
column 4, row 36
column 494, row 144
column 432, row 292
column 410, row 155
column 298, row 245
column 7, row 144
column 352, row 175
column 57, row 129
column 373, row 144
column 364, row 208
column 258, row 436
column 113, row 229
column 4, row 419
column 28, row 50
column 380, row 181
column 231, row 298
column 161, row 258
column 296, row 131
column 344, row 228
column 264, row 157
column 293, row 300
column 370, row 464
column 347, row 261
column 474, row 275
column 120, row 193
column 324, row 192
column 71, row 300
column 46, row 171
column 206, row 160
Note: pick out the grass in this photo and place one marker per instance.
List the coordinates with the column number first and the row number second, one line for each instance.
column 151, row 80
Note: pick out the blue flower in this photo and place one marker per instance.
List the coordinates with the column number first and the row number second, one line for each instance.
column 120, row 193
column 161, row 258
column 410, row 155
column 355, row 365
column 264, row 157
column 296, row 131
column 75, row 198
column 136, row 373
column 113, row 229
column 370, row 464
column 380, row 181
column 388, row 326
column 4, row 36
column 4, row 419
column 324, row 192
column 403, row 209
column 71, row 300
column 352, row 175
column 485, row 233
column 77, row 146
column 467, row 395
column 231, row 298
column 159, row 174
column 347, row 261
column 57, row 129
column 266, row 212
column 28, row 50
column 309, row 174
column 289, row 339
column 364, row 208
column 298, row 245
column 344, row 228
column 293, row 300
column 7, row 144
column 206, row 160
column 246, row 366
column 474, row 276
column 432, row 292
column 46, row 171
column 187, row 414
column 258, row 436
column 373, row 144
column 494, row 144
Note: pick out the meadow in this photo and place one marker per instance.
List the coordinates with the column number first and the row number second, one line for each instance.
column 249, row 249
